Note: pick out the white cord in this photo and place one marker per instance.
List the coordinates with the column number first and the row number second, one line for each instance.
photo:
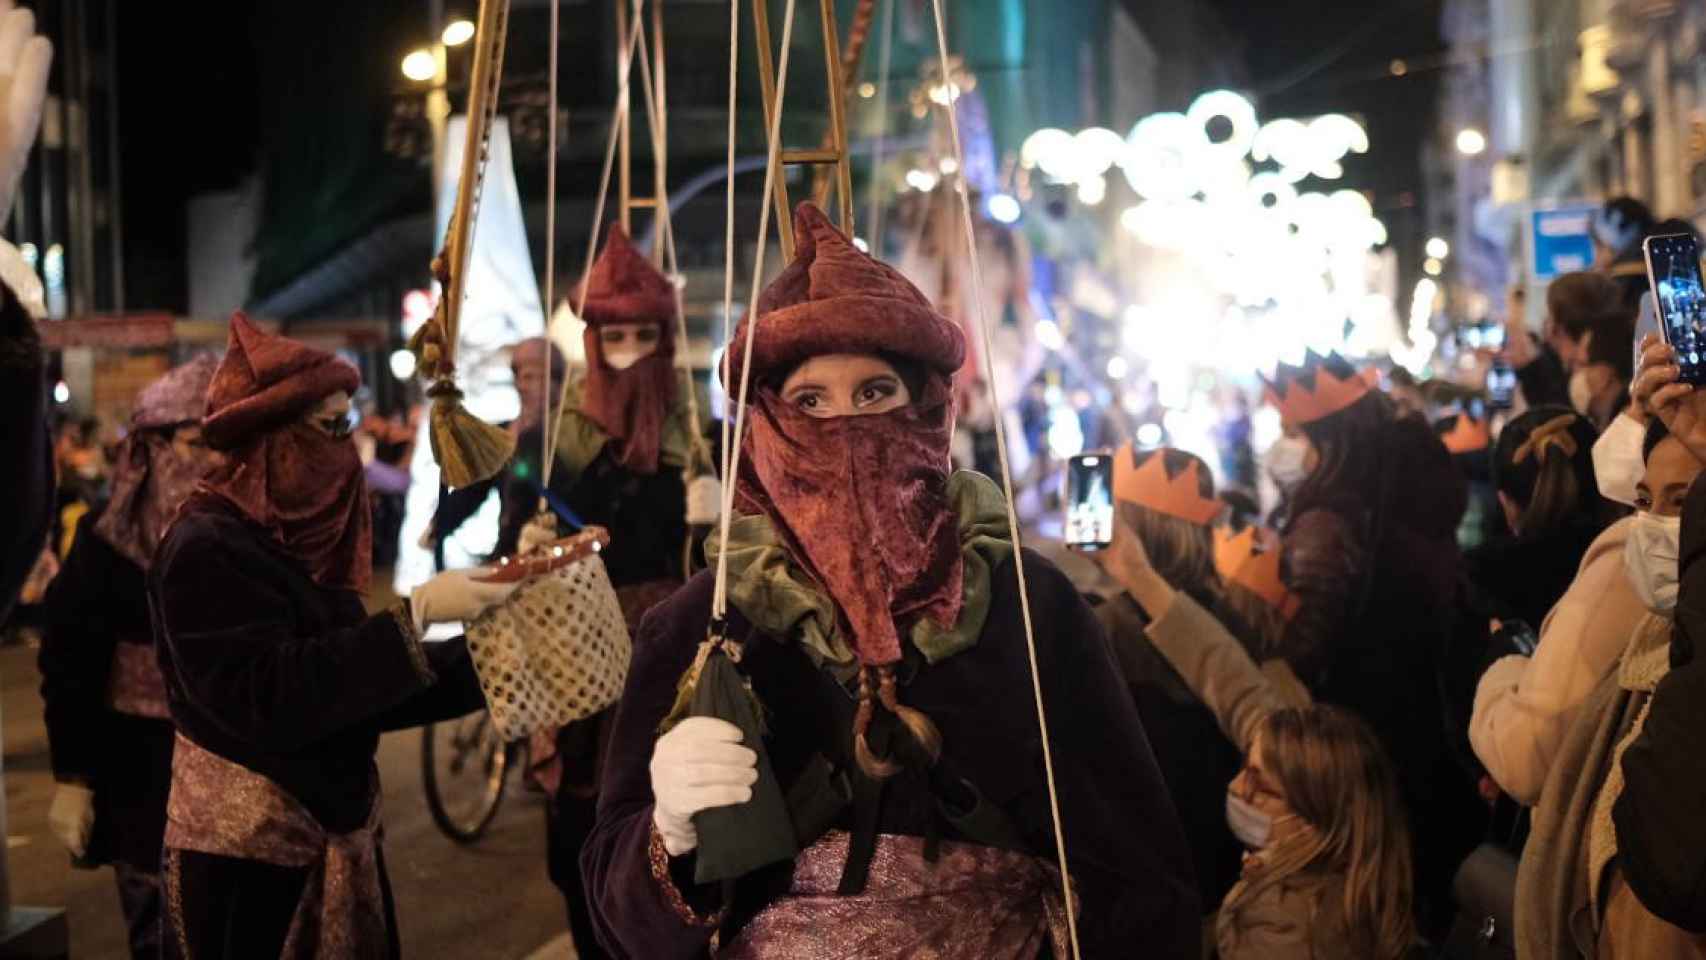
column 729, row 224
column 719, row 598
column 545, row 436
column 617, row 119
column 1006, row 473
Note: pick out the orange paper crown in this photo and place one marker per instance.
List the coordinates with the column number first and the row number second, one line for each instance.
column 1299, row 403
column 1252, row 560
column 1149, row 486
column 1467, row 435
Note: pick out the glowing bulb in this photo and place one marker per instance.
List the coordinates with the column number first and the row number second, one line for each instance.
column 1003, row 208
column 420, row 65
column 1118, row 367
column 1438, row 248
column 860, row 243
column 1048, row 334
column 1471, row 141
column 921, row 180
column 867, row 90
column 61, row 393
column 1149, row 435
column 402, row 364
column 1433, row 267
column 458, row 32
column 949, row 166
column 1092, row 191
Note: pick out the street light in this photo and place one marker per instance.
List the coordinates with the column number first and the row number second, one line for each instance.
column 1438, row 248
column 458, row 32
column 1470, row 141
column 420, row 65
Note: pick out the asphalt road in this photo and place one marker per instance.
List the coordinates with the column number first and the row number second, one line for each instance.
column 491, row 899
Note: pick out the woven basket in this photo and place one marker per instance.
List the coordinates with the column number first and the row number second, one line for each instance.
column 556, row 651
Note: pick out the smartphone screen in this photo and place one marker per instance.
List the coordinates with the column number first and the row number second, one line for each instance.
column 1673, row 267
column 1090, row 501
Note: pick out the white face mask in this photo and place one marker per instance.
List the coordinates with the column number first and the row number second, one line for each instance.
column 1650, row 559
column 624, row 357
column 1581, row 392
column 1617, row 466
column 1253, row 828
column 1284, row 463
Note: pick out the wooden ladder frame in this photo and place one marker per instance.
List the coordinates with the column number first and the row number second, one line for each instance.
column 627, row 203
column 836, row 152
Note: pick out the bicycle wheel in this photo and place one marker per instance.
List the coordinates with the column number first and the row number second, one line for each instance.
column 464, row 768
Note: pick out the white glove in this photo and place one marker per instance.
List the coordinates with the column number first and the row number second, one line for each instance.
column 698, row 765
column 454, row 596
column 71, row 817
column 24, row 63
column 538, row 532
column 704, row 499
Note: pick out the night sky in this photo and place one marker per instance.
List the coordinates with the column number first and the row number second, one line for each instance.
column 191, row 120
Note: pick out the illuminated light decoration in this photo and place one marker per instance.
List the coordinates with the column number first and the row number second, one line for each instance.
column 1285, row 142
column 1438, row 248
column 922, row 180
column 1095, row 150
column 1003, row 208
column 1471, row 142
column 1338, row 134
column 942, row 94
column 1433, row 267
column 420, row 65
column 61, row 393
column 861, row 245
column 1162, row 152
column 1118, row 367
column 1092, row 190
column 458, row 32
column 1048, row 334
column 1049, row 150
column 1272, row 191
column 1136, row 327
column 402, row 364
column 1220, row 177
column 1149, row 435
column 1065, row 432
column 949, row 166
column 1236, row 110
column 867, row 90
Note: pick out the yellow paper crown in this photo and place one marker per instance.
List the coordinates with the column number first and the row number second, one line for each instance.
column 1251, row 559
column 1148, row 485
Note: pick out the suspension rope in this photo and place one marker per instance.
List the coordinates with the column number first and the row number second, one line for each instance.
column 719, row 598
column 618, row 117
column 545, row 436
column 875, row 219
column 1006, row 472
column 729, row 227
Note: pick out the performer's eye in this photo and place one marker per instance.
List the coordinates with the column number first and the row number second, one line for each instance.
column 876, row 391
column 807, row 400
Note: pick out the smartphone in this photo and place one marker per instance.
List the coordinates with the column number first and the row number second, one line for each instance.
column 1501, row 386
column 1090, row 501
column 1673, row 268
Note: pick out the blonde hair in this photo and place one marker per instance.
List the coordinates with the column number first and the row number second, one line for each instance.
column 1338, row 781
column 1182, row 552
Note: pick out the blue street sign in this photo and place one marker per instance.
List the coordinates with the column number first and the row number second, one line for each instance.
column 1562, row 242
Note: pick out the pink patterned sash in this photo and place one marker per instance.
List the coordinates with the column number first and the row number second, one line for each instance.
column 973, row 903
column 136, row 686
column 222, row 808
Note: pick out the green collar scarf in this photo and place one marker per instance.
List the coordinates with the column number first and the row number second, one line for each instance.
column 580, row 440
column 778, row 597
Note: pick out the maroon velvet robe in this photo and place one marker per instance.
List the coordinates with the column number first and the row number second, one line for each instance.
column 1128, row 859
column 293, row 681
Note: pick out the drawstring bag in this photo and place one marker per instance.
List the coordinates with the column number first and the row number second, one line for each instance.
column 557, row 649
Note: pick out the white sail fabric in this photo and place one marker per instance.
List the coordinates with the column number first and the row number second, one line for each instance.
column 502, row 307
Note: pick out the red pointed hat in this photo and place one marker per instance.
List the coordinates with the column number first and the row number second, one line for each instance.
column 624, row 287
column 265, row 381
column 834, row 298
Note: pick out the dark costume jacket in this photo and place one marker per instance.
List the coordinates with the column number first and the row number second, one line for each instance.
column 104, row 700
column 1130, row 867
column 290, row 681
column 26, row 448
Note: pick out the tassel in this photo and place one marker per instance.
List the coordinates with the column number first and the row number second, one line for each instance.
column 922, row 730
column 468, row 449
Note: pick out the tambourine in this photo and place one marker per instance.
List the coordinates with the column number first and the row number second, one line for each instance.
column 557, row 649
